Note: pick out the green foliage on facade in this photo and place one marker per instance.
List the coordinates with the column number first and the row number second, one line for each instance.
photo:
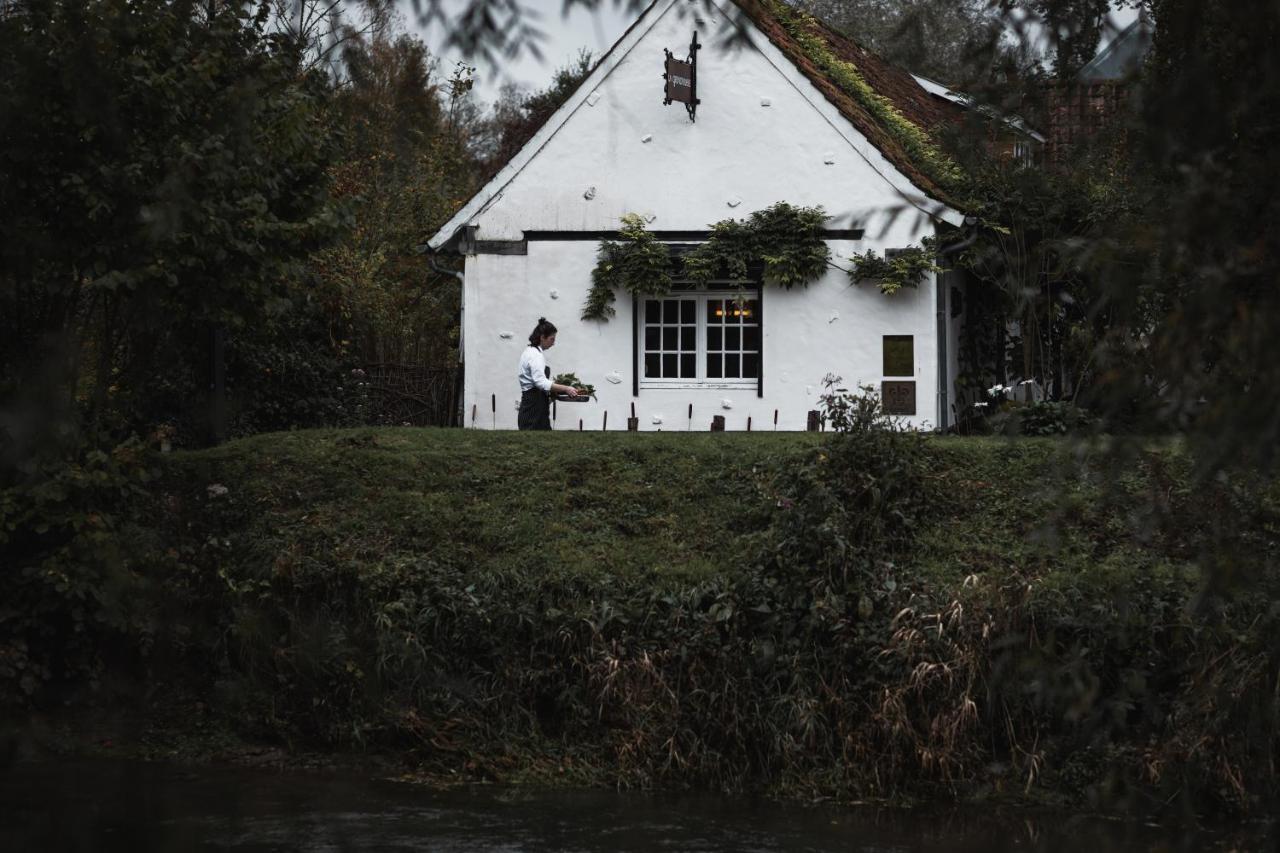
column 637, row 263
column 784, row 240
column 905, row 268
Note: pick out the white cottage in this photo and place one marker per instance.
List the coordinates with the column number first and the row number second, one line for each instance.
column 770, row 126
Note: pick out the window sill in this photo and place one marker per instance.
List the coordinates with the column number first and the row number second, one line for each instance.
column 729, row 385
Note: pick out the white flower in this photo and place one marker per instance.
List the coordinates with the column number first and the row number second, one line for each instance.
column 996, row 389
column 217, row 490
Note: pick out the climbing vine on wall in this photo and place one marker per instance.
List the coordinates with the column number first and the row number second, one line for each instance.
column 637, row 263
column 905, row 268
column 786, row 240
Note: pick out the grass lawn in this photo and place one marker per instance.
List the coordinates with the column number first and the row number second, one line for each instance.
column 580, row 503
column 670, row 505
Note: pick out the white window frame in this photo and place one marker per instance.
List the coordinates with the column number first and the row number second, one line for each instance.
column 700, row 297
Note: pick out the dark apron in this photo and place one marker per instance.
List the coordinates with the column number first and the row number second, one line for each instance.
column 535, row 408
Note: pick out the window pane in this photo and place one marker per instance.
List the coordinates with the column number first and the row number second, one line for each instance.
column 731, row 367
column 713, row 367
column 751, row 366
column 732, row 339
column 899, row 359
column 670, row 310
column 651, row 363
column 715, row 338
column 751, row 338
column 689, row 366
column 688, row 337
column 652, row 311
column 652, row 337
column 688, row 311
column 751, row 309
column 669, row 365
column 715, row 310
column 669, row 338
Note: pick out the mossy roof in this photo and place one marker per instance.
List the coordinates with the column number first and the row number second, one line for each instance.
column 897, row 86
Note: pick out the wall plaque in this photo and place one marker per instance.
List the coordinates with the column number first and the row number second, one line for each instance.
column 898, row 398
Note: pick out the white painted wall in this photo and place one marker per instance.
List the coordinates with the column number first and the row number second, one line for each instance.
column 802, row 343
column 739, row 156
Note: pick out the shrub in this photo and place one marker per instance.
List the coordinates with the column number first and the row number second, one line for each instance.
column 853, row 500
column 1047, row 418
column 74, row 587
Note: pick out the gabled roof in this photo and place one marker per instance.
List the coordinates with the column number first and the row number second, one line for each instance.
column 1123, row 56
column 898, row 89
column 960, row 99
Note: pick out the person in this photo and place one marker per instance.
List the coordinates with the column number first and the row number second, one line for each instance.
column 536, row 386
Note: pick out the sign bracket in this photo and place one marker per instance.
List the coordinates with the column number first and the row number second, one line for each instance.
column 681, row 79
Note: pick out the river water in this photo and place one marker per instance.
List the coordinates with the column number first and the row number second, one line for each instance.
column 124, row 806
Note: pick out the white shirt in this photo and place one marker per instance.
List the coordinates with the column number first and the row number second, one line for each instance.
column 533, row 370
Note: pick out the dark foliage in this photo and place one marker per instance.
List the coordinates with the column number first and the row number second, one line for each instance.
column 895, row 616
column 162, row 175
column 519, row 122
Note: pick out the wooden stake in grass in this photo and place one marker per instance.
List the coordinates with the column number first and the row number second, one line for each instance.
column 473, row 414
column 605, row 427
column 690, row 429
column 493, row 407
column 579, row 424
column 748, row 423
column 775, row 420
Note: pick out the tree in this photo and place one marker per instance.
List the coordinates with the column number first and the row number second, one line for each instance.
column 518, row 117
column 1026, row 256
column 406, row 164
column 323, row 28
column 1207, row 142
column 165, row 173
column 943, row 39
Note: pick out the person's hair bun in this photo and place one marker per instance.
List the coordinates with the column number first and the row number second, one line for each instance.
column 541, row 320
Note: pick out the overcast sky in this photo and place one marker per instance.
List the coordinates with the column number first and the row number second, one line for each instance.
column 565, row 36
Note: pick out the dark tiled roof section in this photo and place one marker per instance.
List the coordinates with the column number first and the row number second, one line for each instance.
column 897, row 86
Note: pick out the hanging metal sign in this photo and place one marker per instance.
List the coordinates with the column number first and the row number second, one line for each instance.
column 681, row 79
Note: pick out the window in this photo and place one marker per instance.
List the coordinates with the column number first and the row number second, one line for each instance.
column 708, row 339
column 670, row 338
column 898, row 397
column 899, row 355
